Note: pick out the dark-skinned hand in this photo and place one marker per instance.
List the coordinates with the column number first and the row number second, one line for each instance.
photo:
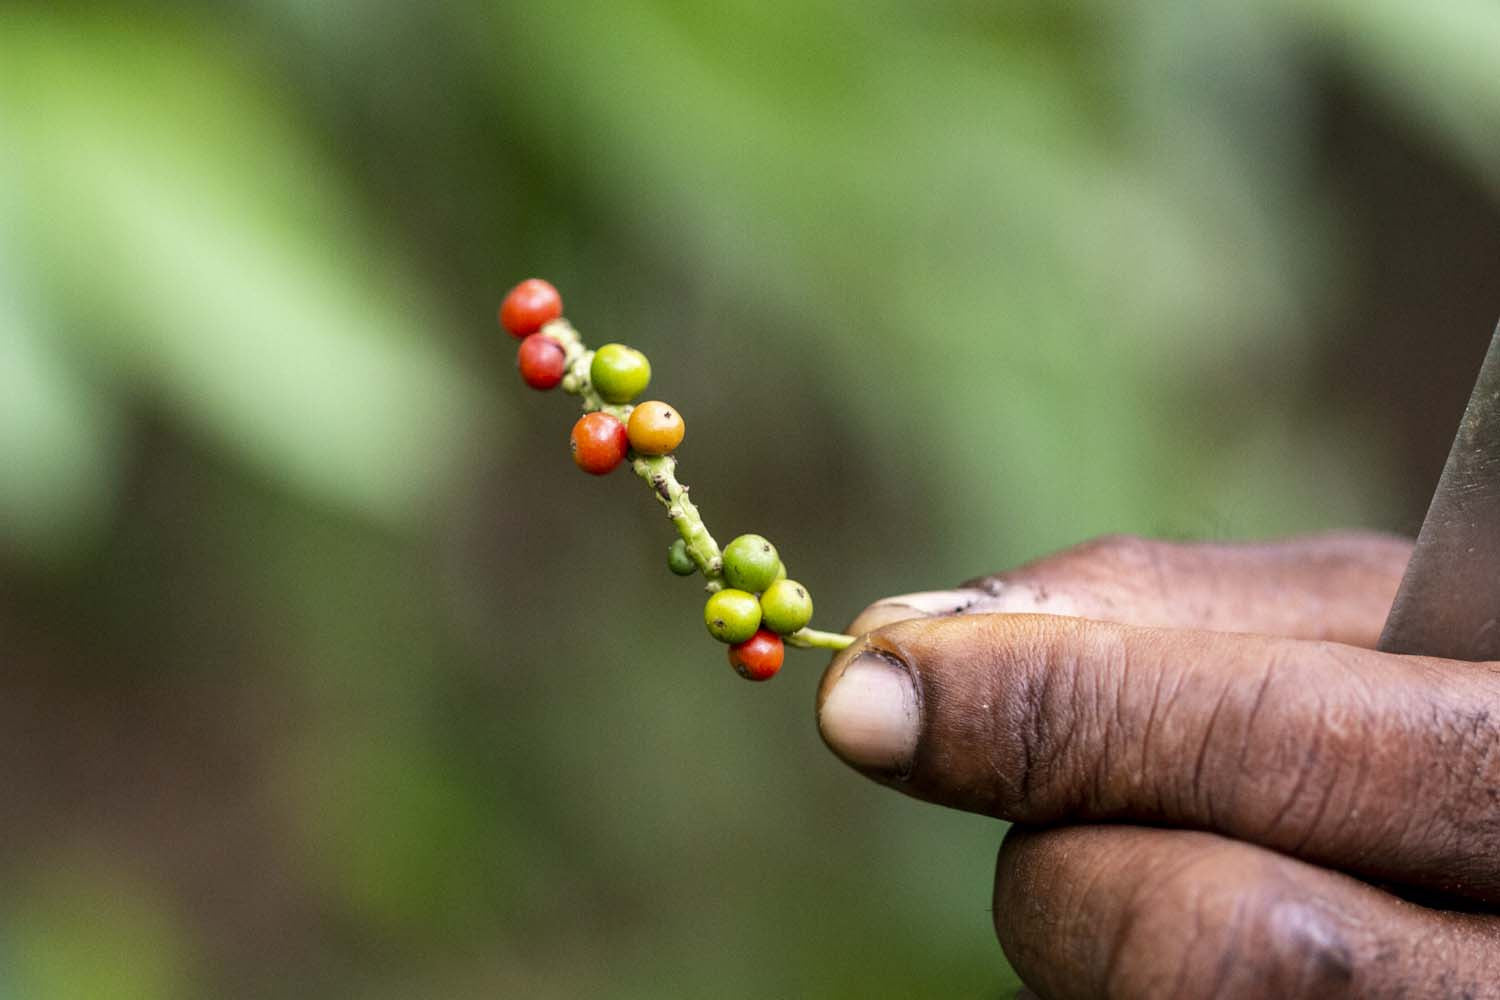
column 1219, row 788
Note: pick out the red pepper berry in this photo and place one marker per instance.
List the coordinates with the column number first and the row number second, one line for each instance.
column 540, row 359
column 599, row 443
column 758, row 657
column 529, row 306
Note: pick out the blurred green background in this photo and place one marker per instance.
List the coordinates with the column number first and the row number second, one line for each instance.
column 325, row 672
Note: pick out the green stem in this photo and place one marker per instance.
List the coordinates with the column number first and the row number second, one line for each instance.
column 660, row 473
column 811, row 638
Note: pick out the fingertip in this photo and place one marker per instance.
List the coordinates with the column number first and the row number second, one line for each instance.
column 868, row 712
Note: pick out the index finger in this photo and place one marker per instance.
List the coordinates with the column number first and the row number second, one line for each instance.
column 1337, row 587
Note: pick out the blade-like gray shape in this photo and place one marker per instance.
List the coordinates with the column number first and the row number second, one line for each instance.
column 1449, row 601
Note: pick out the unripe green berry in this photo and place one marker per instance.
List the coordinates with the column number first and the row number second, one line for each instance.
column 678, row 560
column 750, row 563
column 619, row 373
column 785, row 607
column 732, row 615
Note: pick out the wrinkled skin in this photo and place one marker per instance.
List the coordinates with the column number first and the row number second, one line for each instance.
column 1219, row 788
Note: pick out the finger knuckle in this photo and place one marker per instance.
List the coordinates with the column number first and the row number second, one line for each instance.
column 1304, row 766
column 1119, row 543
column 1003, row 730
column 1126, row 551
column 1054, row 712
column 1115, row 556
column 1072, row 726
column 1203, row 932
column 1464, row 741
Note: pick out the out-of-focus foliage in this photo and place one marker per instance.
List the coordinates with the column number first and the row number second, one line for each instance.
column 328, row 674
column 180, row 236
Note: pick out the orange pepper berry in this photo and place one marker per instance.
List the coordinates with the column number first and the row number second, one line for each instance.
column 655, row 428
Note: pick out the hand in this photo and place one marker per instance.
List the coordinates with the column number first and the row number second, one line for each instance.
column 1219, row 788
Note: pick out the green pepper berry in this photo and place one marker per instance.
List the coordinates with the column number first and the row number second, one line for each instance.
column 678, row 560
column 785, row 607
column 732, row 615
column 750, row 563
column 619, row 373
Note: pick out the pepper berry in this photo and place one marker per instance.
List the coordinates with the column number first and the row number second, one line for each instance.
column 619, row 373
column 750, row 563
column 732, row 615
column 785, row 607
column 529, row 306
column 758, row 657
column 655, row 428
column 678, row 560
column 599, row 443
column 540, row 359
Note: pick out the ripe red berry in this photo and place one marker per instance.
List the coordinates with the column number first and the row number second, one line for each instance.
column 758, row 657
column 599, row 443
column 540, row 359
column 529, row 306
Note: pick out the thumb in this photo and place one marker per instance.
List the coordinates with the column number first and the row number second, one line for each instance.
column 1042, row 719
column 945, row 691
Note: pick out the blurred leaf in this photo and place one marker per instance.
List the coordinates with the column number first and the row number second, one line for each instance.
column 173, row 209
column 1437, row 63
column 58, row 442
column 84, row 929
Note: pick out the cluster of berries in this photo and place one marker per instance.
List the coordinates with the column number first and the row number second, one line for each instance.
column 600, row 441
column 757, row 608
column 755, row 605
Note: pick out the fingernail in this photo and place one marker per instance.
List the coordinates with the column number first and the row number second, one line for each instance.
column 924, row 604
column 869, row 717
